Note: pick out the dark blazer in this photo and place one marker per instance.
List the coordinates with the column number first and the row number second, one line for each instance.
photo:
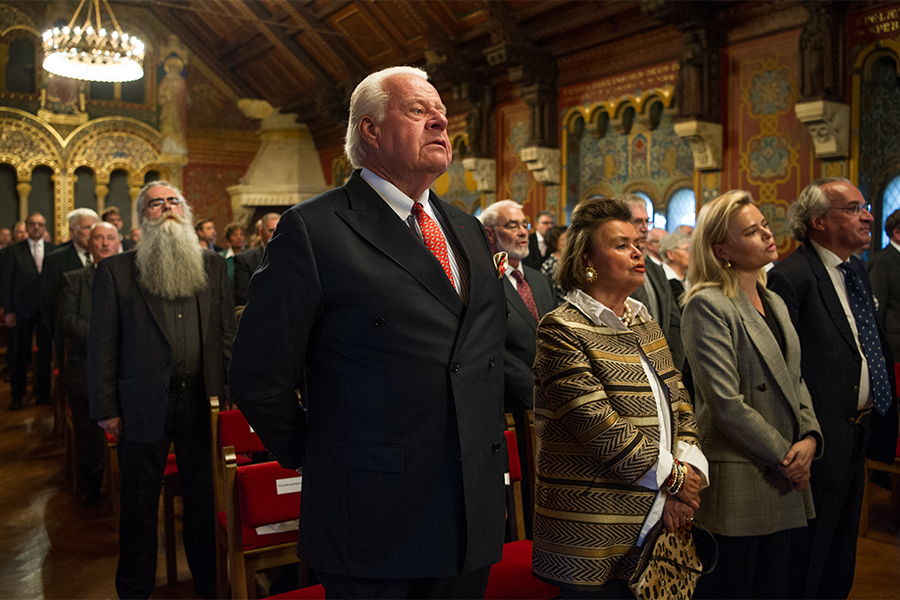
column 245, row 265
column 831, row 361
column 129, row 355
column 884, row 271
column 74, row 320
column 403, row 455
column 670, row 314
column 521, row 339
column 56, row 264
column 535, row 259
column 21, row 280
column 127, row 244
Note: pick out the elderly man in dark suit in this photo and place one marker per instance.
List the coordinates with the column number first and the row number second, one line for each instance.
column 162, row 323
column 73, row 324
column 22, row 266
column 246, row 263
column 656, row 293
column 884, row 271
column 114, row 217
column 390, row 308
column 847, row 369
column 538, row 251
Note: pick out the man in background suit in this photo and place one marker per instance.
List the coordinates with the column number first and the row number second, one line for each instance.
column 66, row 257
column 656, row 293
column 390, row 308
column 529, row 296
column 111, row 215
column 884, row 271
column 73, row 324
column 22, row 265
column 828, row 296
column 246, row 263
column 162, row 322
column 537, row 247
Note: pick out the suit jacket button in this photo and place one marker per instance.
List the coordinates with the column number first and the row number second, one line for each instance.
column 495, row 447
column 507, row 313
column 378, row 322
column 454, row 367
column 491, row 362
column 457, row 456
column 762, row 387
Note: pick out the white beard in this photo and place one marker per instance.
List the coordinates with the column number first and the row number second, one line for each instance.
column 517, row 252
column 169, row 258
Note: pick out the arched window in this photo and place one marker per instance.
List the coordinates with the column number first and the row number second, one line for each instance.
column 20, row 66
column 889, row 203
column 682, row 209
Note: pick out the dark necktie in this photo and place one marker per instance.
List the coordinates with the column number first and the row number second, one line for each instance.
column 87, row 259
column 525, row 291
column 434, row 239
column 868, row 337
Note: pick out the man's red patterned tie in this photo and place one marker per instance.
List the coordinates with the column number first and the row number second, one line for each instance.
column 525, row 291
column 434, row 239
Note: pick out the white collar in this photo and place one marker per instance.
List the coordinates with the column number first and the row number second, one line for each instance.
column 600, row 314
column 399, row 202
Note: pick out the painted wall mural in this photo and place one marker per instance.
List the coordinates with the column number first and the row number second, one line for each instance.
column 768, row 152
column 514, row 180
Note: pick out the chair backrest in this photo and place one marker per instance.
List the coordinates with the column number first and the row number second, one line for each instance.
column 268, row 494
column 514, row 505
column 235, row 431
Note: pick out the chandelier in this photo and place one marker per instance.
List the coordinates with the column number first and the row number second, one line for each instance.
column 90, row 52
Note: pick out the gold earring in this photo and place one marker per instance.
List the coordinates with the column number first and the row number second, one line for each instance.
column 727, row 264
column 591, row 274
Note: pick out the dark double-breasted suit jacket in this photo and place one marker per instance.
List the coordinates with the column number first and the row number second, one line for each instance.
column 521, row 339
column 402, row 444
column 670, row 314
column 21, row 279
column 884, row 271
column 74, row 323
column 129, row 354
column 245, row 265
column 63, row 259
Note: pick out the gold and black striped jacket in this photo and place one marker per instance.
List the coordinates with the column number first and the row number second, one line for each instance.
column 598, row 433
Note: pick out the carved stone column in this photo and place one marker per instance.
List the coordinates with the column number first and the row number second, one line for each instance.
column 484, row 172
column 133, row 191
column 706, row 143
column 101, row 190
column 23, row 188
column 543, row 163
column 829, row 126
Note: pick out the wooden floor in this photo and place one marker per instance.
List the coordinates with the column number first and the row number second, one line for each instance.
column 52, row 547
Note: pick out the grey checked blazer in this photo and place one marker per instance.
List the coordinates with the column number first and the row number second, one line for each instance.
column 751, row 406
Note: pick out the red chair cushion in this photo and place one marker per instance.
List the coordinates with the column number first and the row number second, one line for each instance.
column 515, row 467
column 171, row 466
column 252, row 540
column 512, row 578
column 258, row 488
column 110, row 439
column 234, row 430
column 313, row 592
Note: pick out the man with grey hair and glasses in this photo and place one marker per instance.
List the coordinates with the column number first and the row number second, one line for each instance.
column 391, row 311
column 848, row 368
column 162, row 322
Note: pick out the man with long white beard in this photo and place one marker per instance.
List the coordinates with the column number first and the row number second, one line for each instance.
column 162, row 323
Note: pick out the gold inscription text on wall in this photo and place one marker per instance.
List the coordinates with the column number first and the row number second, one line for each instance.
column 884, row 21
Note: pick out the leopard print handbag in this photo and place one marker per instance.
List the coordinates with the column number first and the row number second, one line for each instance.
column 669, row 566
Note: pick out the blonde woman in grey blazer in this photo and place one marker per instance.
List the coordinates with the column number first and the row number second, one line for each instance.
column 756, row 420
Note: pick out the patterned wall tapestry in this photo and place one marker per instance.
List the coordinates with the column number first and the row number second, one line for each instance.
column 767, row 151
column 204, row 188
column 514, row 180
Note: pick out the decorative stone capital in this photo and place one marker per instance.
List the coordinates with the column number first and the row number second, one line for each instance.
column 484, row 171
column 829, row 126
column 543, row 163
column 706, row 143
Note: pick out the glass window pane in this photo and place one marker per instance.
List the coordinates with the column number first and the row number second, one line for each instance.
column 889, row 203
column 682, row 209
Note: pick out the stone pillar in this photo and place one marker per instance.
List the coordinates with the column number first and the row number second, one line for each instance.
column 133, row 191
column 23, row 188
column 102, row 191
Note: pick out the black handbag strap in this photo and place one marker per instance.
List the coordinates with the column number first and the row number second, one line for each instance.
column 715, row 560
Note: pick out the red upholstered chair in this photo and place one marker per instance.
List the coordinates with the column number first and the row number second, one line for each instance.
column 229, row 428
column 111, row 475
column 313, row 592
column 512, row 577
column 256, row 497
column 171, row 487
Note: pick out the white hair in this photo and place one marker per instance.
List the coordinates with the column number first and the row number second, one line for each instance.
column 169, row 259
column 81, row 213
column 141, row 201
column 370, row 99
column 489, row 216
column 814, row 201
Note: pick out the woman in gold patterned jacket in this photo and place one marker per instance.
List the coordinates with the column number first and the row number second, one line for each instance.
column 617, row 446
